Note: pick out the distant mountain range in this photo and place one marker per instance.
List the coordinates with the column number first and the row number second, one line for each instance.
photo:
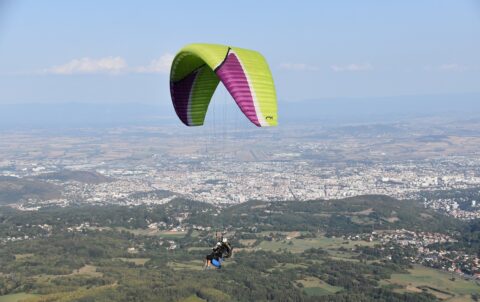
column 340, row 110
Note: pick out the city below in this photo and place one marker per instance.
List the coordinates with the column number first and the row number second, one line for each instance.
column 148, row 165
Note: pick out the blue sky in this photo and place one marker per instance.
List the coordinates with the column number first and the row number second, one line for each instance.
column 119, row 51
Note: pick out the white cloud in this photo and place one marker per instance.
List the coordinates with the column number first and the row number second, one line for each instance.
column 298, row 67
column 452, row 67
column 160, row 65
column 110, row 65
column 352, row 67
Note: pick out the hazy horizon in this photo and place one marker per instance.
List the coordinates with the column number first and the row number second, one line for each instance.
column 224, row 110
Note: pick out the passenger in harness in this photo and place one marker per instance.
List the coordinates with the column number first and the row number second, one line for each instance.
column 221, row 251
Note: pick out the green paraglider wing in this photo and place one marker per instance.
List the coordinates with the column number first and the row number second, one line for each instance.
column 198, row 68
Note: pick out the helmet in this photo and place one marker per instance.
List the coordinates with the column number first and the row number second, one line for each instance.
column 224, row 240
column 218, row 244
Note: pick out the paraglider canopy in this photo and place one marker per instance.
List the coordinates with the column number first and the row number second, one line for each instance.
column 198, row 68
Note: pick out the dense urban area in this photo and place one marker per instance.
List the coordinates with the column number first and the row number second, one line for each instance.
column 386, row 212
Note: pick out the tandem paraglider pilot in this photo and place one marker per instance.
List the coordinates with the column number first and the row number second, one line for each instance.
column 220, row 251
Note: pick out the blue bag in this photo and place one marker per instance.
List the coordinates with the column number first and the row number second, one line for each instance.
column 217, row 263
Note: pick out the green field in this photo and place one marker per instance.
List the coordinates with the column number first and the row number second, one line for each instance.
column 435, row 282
column 195, row 234
column 136, row 261
column 192, row 298
column 86, row 270
column 295, row 245
column 200, row 248
column 23, row 256
column 15, row 297
column 316, row 287
column 196, row 265
column 89, row 270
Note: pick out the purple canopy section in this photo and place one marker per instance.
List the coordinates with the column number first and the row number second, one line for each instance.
column 233, row 76
column 181, row 92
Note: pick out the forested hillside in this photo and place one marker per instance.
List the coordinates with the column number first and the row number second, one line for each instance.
column 283, row 251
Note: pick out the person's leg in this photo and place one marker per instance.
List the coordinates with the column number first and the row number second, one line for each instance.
column 208, row 260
